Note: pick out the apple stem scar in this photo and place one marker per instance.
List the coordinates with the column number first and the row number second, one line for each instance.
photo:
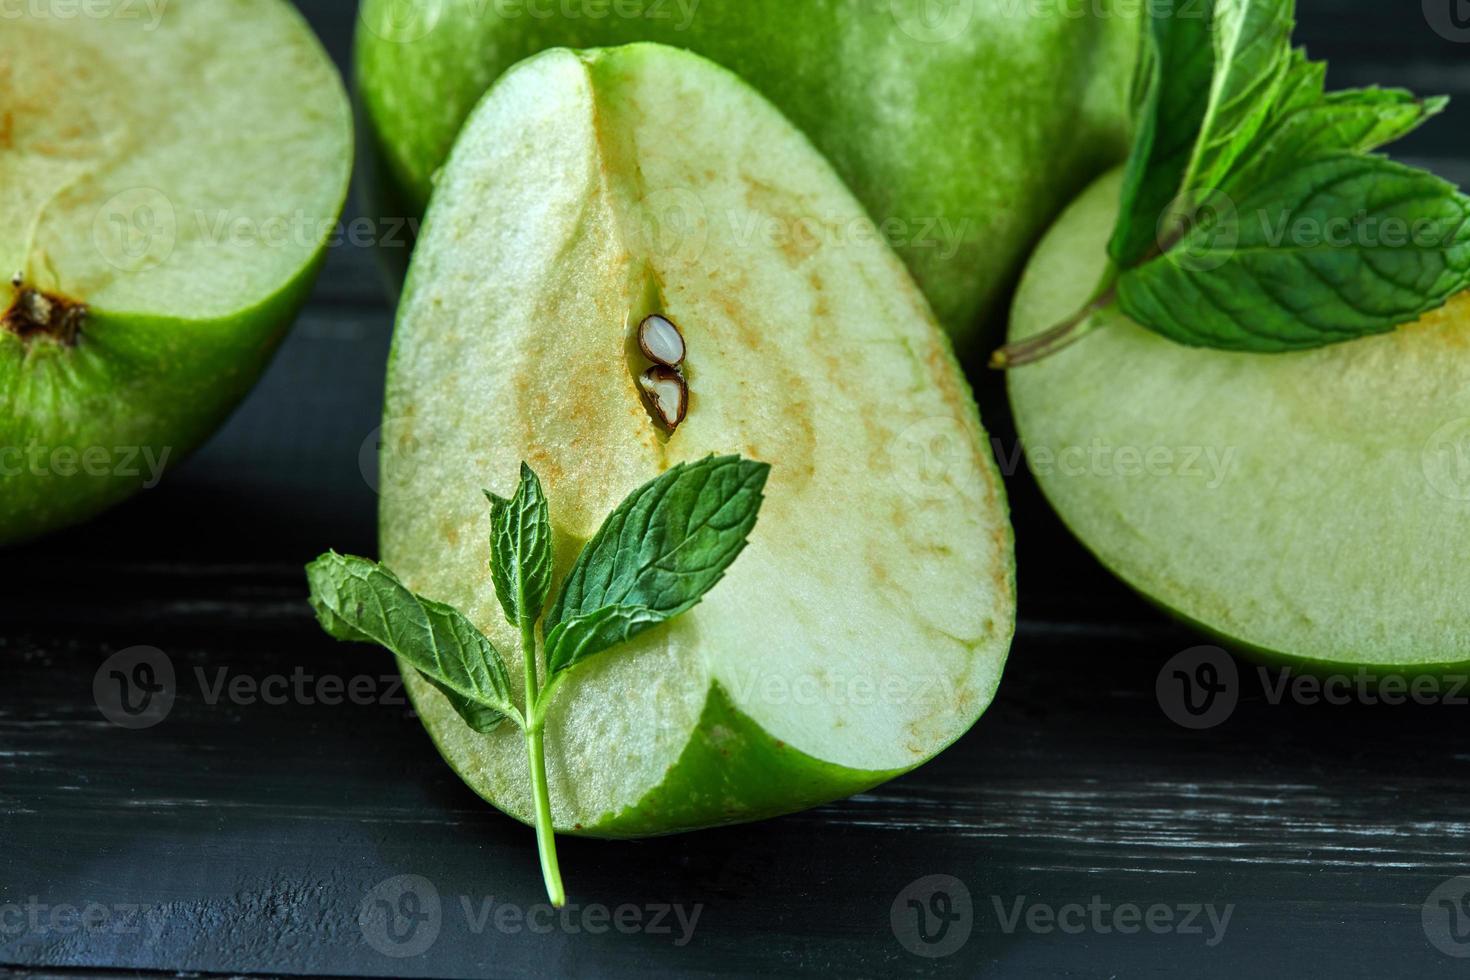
column 35, row 313
column 664, row 385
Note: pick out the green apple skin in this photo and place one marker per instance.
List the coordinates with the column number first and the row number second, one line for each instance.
column 183, row 312
column 889, row 594
column 1330, row 541
column 962, row 135
column 730, row 771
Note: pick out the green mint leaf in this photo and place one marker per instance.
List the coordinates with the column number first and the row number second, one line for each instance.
column 574, row 640
column 360, row 601
column 520, row 549
column 1171, row 93
column 480, row 717
column 655, row 556
column 1338, row 248
column 1253, row 56
column 1349, row 121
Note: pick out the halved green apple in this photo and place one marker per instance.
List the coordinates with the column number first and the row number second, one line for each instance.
column 963, row 126
column 171, row 176
column 865, row 627
column 1310, row 505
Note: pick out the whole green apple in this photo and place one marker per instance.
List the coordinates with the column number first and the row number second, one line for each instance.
column 171, row 174
column 865, row 626
column 962, row 126
column 1310, row 505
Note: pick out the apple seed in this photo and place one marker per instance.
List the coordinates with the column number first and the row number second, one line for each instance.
column 667, row 393
column 661, row 341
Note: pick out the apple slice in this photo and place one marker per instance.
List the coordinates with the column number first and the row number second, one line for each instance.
column 1311, row 505
column 171, row 174
column 865, row 627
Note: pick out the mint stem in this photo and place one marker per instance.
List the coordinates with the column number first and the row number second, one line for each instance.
column 536, row 752
column 1048, row 342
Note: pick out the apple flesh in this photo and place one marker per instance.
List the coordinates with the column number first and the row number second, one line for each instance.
column 865, row 626
column 1310, row 505
column 962, row 127
column 169, row 186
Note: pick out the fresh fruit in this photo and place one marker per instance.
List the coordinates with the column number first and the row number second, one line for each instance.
column 171, row 174
column 1311, row 504
column 962, row 127
column 865, row 626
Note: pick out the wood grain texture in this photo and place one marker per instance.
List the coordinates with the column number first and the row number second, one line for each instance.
column 243, row 837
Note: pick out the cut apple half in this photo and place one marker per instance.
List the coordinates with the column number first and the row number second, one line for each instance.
column 171, row 173
column 1311, row 505
column 865, row 627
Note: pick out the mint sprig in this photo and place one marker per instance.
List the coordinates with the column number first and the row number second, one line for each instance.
column 654, row 558
column 1253, row 217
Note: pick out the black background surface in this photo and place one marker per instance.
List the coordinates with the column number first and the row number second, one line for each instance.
column 251, row 833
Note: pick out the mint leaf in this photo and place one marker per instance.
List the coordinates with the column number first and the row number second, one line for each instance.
column 580, row 637
column 1171, row 94
column 480, row 717
column 655, row 557
column 1350, row 121
column 360, row 601
column 520, row 549
column 1252, row 47
column 1337, row 248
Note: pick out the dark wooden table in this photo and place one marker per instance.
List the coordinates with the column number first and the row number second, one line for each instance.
column 245, row 832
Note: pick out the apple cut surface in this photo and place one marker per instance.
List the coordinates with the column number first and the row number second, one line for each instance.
column 866, row 625
column 1313, row 505
column 171, row 174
